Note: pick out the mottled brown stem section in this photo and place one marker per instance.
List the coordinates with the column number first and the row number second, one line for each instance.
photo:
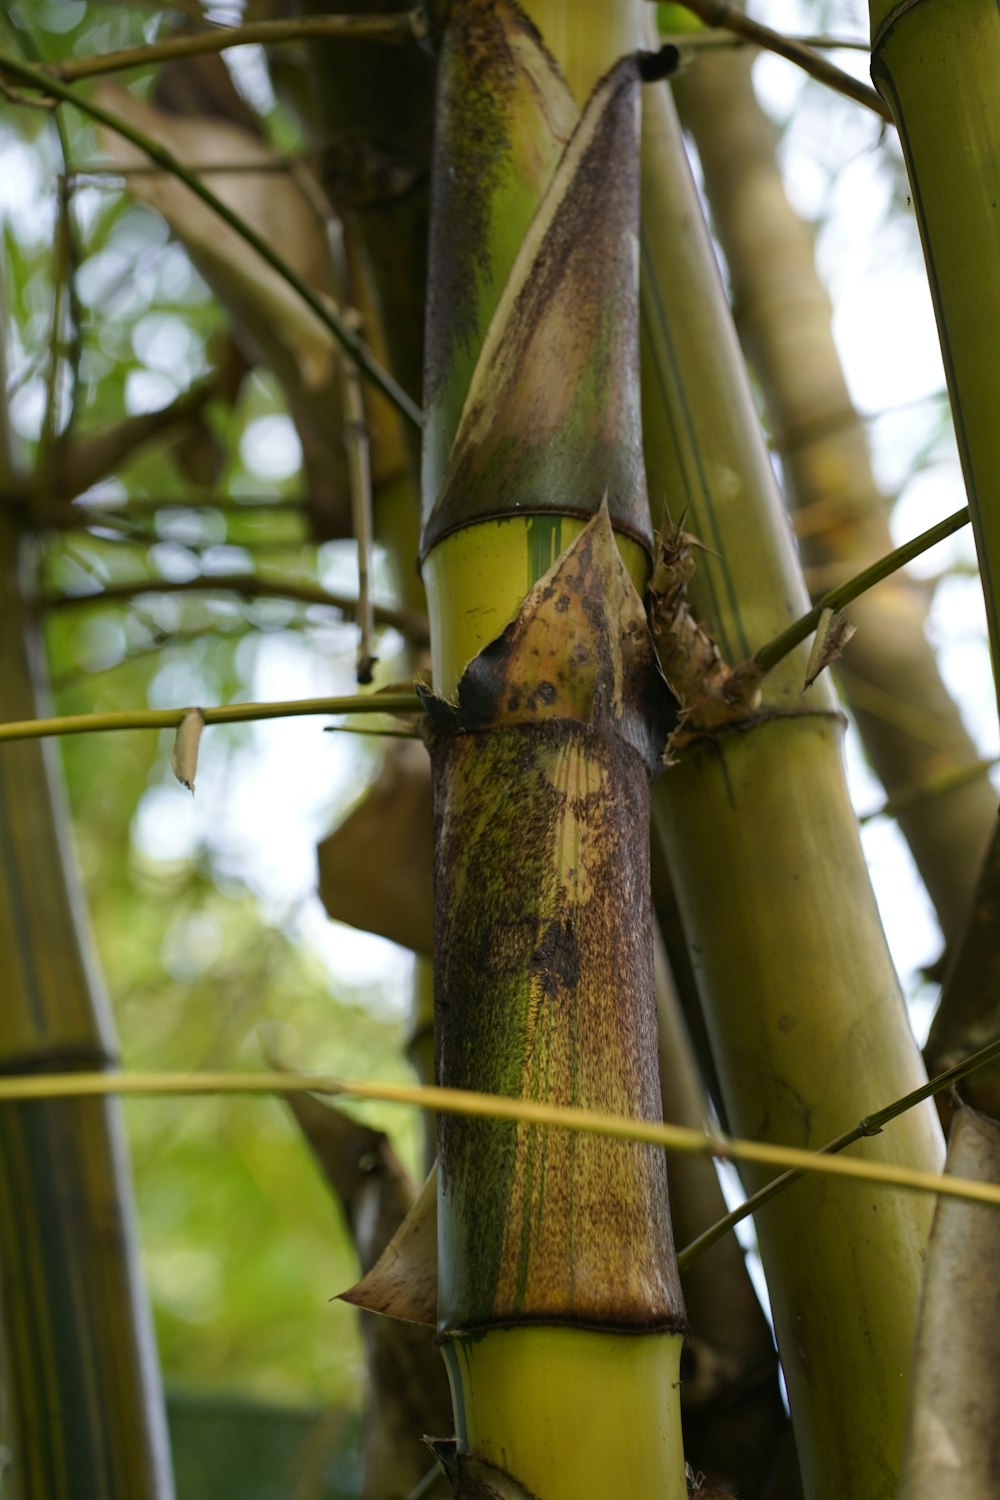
column 544, row 962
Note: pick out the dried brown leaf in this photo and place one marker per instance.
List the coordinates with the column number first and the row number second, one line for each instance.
column 711, row 693
column 184, row 758
column 403, row 1281
column 472, row 1478
column 376, row 870
column 832, row 634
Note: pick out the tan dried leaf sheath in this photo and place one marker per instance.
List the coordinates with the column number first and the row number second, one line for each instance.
column 711, row 693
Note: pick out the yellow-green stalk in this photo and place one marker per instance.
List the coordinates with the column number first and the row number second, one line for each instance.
column 559, row 1307
column 802, row 1003
column 909, row 723
column 937, row 66
column 84, row 1414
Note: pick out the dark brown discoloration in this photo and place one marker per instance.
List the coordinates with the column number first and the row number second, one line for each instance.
column 475, row 1479
column 713, row 696
column 552, row 415
column 579, row 648
column 543, row 943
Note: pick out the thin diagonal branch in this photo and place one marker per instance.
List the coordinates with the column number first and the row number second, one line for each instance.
column 402, row 26
column 871, row 1125
column 358, row 351
column 716, row 13
column 250, row 586
column 776, row 650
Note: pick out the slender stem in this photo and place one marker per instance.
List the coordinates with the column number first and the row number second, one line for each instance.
column 389, row 387
column 776, row 650
column 709, row 41
column 403, row 26
column 359, row 469
column 49, row 438
column 228, row 713
column 717, row 13
column 83, row 512
column 871, row 1125
column 99, row 170
column 251, row 586
column 466, row 1102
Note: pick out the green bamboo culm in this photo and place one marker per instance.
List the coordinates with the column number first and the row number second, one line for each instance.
column 558, row 1303
column 85, row 1413
column 802, row 1004
column 910, row 726
column 938, row 67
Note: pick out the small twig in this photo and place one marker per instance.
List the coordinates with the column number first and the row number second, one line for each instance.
column 385, row 734
column 229, row 713
column 717, row 13
column 776, row 650
column 26, row 101
column 402, row 26
column 49, row 442
column 250, row 586
column 102, row 170
column 386, row 383
column 359, row 469
column 871, row 1125
column 709, row 40
column 83, row 512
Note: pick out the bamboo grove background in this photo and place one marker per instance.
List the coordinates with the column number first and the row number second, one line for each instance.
column 197, row 487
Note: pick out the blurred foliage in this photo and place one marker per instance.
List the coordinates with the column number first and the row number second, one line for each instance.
column 243, row 1246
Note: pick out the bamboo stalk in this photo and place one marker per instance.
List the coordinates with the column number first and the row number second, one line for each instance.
column 86, row 1418
column 802, row 1003
column 937, row 67
column 536, row 752
column 784, row 317
column 951, row 1445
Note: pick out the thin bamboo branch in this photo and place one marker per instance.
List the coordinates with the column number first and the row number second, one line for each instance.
column 165, row 159
column 227, row 713
column 710, row 41
column 871, row 1125
column 716, row 13
column 359, row 470
column 100, row 171
column 401, row 26
column 49, row 438
column 468, row 1103
column 250, row 586
column 84, row 512
column 777, row 649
